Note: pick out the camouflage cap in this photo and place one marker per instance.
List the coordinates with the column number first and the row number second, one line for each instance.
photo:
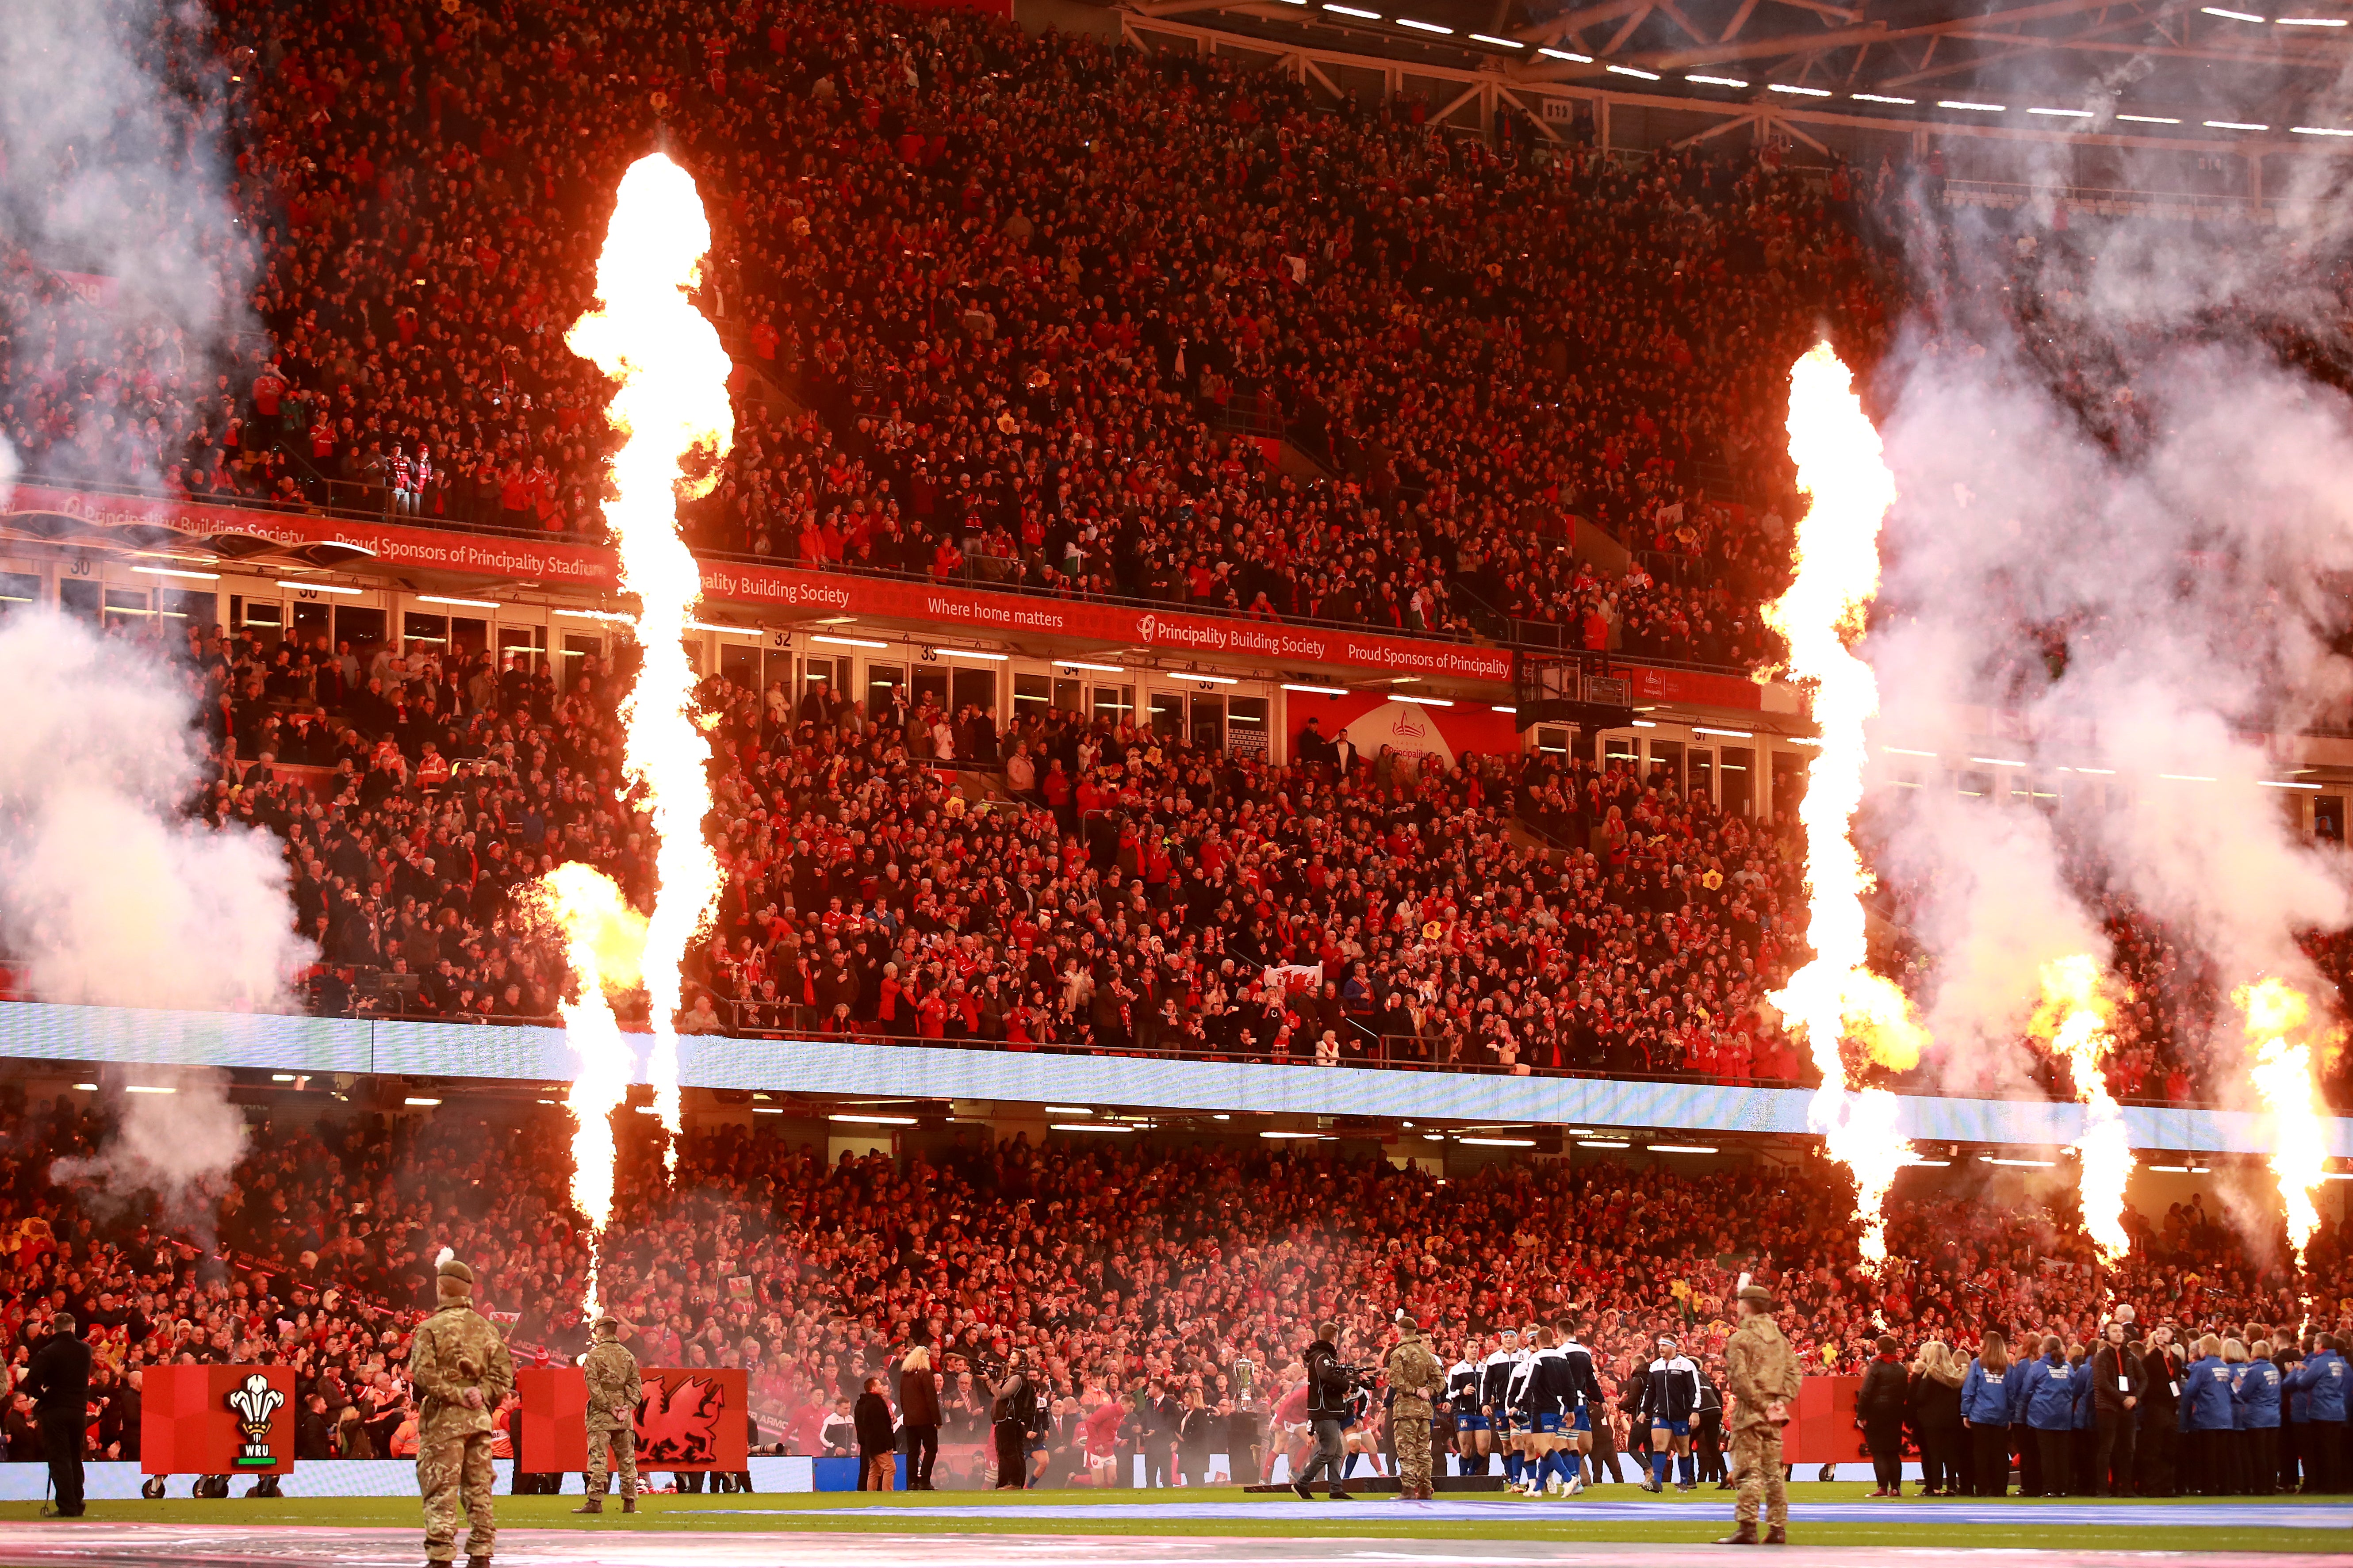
column 1757, row 1295
column 606, row 1327
column 450, row 1269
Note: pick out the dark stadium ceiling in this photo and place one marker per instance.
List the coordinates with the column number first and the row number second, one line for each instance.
column 2274, row 65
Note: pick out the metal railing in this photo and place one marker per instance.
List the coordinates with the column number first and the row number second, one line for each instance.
column 347, row 499
column 1358, row 1045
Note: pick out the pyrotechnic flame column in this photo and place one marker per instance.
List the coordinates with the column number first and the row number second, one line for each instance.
column 1835, row 996
column 672, row 401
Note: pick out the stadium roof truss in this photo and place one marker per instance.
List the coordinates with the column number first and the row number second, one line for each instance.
column 1794, row 67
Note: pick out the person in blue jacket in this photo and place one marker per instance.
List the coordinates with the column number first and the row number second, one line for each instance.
column 2079, row 1445
column 2255, row 1403
column 2321, row 1382
column 2205, row 1419
column 2234, row 1447
column 2022, row 1436
column 2295, row 1412
column 2047, row 1402
column 1986, row 1399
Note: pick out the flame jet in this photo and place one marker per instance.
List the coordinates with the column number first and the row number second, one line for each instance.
column 1836, row 996
column 672, row 402
column 2282, row 1074
column 2073, row 1021
column 603, row 941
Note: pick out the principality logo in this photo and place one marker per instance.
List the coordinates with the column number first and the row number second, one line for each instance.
column 253, row 1403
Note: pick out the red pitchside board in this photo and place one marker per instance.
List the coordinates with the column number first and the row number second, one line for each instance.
column 217, row 1421
column 692, row 1418
column 1823, row 1431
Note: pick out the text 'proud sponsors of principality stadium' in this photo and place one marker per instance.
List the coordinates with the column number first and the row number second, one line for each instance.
column 591, row 566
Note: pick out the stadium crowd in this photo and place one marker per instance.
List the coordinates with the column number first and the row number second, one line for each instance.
column 1030, row 340
column 1156, row 1280
column 1024, row 345
column 1096, row 888
column 1057, row 882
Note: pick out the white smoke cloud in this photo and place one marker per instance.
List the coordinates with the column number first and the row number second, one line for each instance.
column 1994, row 918
column 179, row 1148
column 107, row 893
column 111, row 114
column 2140, row 479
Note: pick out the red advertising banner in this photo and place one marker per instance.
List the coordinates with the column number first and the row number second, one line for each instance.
column 692, row 1418
column 830, row 593
column 217, row 1421
column 1693, row 686
column 439, row 550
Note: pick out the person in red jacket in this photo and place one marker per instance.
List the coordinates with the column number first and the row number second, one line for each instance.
column 1100, row 1424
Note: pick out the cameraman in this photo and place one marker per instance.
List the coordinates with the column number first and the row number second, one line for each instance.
column 1013, row 1411
column 1330, row 1382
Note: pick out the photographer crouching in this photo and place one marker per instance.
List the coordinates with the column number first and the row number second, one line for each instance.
column 1330, row 1383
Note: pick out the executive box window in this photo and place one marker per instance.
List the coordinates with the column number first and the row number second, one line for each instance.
column 362, row 626
column 1736, row 774
column 189, row 606
column 127, row 606
column 739, row 662
column 1249, row 722
column 1667, row 761
column 1114, row 704
column 527, row 646
column 18, row 591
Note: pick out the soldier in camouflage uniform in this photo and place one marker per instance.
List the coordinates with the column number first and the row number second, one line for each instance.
column 1415, row 1377
column 1764, row 1375
column 613, row 1388
column 458, row 1365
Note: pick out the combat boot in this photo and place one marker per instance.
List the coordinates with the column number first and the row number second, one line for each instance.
column 593, row 1503
column 629, row 1501
column 1744, row 1535
column 1777, row 1536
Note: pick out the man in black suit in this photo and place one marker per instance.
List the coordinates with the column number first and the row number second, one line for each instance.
column 57, row 1378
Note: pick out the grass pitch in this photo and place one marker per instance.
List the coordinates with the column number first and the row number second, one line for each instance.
column 1692, row 1518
